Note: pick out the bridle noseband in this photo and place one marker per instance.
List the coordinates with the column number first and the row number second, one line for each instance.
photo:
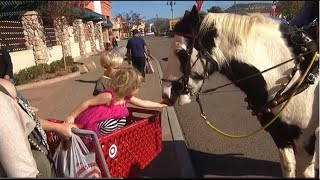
column 193, row 43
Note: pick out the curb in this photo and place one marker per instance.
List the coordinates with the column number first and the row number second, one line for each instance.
column 46, row 82
column 182, row 153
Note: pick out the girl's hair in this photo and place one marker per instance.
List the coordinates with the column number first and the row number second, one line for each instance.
column 111, row 59
column 125, row 80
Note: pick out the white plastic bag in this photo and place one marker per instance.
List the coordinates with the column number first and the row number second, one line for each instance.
column 148, row 68
column 73, row 159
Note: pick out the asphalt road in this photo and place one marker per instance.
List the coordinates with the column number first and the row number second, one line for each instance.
column 214, row 155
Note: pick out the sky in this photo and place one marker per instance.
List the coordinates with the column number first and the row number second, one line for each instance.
column 149, row 9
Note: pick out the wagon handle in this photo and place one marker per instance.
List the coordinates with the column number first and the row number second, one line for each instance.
column 93, row 134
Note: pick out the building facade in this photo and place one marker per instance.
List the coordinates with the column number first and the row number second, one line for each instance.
column 101, row 7
column 173, row 22
column 141, row 27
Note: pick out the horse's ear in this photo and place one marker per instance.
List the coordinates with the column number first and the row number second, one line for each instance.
column 194, row 12
column 186, row 13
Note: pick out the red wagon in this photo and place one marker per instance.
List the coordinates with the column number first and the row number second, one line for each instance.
column 125, row 152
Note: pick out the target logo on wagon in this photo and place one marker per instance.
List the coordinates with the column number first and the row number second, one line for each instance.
column 112, row 151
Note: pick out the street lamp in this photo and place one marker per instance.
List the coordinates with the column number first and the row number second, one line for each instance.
column 171, row 3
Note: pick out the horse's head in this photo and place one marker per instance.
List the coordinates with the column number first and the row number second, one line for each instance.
column 187, row 67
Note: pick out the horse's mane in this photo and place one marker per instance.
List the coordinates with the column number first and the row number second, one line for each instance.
column 235, row 27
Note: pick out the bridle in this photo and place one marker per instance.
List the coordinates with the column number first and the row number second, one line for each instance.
column 186, row 67
column 195, row 43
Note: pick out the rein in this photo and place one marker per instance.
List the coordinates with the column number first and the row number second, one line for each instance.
column 253, row 75
column 203, row 115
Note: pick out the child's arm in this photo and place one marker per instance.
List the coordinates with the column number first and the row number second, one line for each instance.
column 103, row 98
column 146, row 103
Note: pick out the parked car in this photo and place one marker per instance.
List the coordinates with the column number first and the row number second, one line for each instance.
column 164, row 33
column 170, row 33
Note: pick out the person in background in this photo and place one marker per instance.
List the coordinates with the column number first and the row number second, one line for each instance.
column 137, row 52
column 107, row 112
column 109, row 61
column 6, row 69
column 114, row 42
column 108, row 46
column 308, row 17
column 307, row 13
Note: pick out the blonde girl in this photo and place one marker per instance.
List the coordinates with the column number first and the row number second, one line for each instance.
column 107, row 111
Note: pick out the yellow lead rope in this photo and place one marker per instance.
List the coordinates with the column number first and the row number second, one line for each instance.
column 275, row 117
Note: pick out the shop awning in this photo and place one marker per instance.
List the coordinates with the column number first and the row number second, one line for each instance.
column 12, row 10
column 89, row 15
column 107, row 24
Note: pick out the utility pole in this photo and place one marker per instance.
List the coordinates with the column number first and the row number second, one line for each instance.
column 157, row 28
column 235, row 7
column 171, row 3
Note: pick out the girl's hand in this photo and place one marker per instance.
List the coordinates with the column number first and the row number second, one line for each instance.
column 163, row 105
column 69, row 119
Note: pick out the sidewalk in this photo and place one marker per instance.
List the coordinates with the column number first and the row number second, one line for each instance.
column 56, row 100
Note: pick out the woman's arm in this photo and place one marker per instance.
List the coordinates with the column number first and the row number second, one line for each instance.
column 146, row 103
column 63, row 130
column 103, row 98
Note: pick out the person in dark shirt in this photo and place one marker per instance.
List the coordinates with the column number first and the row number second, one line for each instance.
column 6, row 69
column 136, row 52
column 308, row 18
column 307, row 13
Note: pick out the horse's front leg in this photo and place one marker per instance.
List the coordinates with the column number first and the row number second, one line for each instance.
column 305, row 156
column 288, row 162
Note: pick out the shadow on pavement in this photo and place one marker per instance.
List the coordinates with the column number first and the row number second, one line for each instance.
column 85, row 81
column 233, row 165
column 165, row 165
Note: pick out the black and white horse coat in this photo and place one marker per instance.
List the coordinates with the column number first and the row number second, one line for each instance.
column 242, row 46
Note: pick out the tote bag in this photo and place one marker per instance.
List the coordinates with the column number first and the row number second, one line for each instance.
column 73, row 159
column 148, row 68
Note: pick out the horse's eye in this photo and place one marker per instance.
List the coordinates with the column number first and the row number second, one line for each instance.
column 182, row 55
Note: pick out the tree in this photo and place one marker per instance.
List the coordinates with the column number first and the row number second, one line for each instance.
column 63, row 13
column 289, row 8
column 215, row 9
column 202, row 13
column 129, row 20
column 162, row 24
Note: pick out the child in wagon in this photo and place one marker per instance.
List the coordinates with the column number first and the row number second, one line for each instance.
column 109, row 61
column 107, row 111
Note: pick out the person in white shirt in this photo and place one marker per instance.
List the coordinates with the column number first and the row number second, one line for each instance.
column 16, row 159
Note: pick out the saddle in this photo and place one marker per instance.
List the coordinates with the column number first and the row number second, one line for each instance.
column 302, row 40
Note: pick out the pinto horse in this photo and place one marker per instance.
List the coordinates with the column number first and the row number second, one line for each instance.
column 239, row 46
